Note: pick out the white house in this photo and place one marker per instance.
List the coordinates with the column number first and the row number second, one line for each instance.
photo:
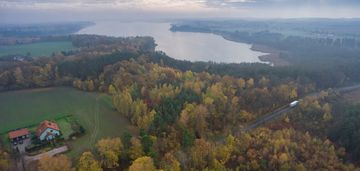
column 47, row 130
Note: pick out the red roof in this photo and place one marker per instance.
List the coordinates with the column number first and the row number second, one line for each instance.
column 45, row 125
column 18, row 133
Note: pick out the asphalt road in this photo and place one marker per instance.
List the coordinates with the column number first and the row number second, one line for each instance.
column 268, row 117
column 287, row 108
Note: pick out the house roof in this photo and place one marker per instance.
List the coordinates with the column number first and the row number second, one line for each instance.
column 18, row 133
column 45, row 125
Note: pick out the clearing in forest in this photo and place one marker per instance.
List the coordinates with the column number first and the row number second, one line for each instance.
column 37, row 49
column 94, row 111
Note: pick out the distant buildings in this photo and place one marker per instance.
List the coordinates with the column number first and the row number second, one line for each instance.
column 47, row 130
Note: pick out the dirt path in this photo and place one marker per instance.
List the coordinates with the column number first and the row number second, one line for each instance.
column 20, row 164
column 28, row 159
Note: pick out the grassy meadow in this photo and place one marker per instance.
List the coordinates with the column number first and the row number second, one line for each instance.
column 37, row 49
column 26, row 108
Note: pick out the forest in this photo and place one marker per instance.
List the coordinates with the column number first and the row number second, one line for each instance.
column 190, row 115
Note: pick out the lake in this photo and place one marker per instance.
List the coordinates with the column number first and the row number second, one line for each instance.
column 180, row 45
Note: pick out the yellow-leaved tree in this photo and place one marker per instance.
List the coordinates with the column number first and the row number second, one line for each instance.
column 143, row 163
column 4, row 160
column 87, row 162
column 109, row 150
column 169, row 163
column 57, row 163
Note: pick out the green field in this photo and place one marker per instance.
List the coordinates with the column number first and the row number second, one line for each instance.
column 37, row 49
column 92, row 110
column 65, row 126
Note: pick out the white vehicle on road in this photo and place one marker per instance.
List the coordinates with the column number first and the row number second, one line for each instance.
column 294, row 103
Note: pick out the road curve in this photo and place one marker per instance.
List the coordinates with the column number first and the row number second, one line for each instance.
column 287, row 108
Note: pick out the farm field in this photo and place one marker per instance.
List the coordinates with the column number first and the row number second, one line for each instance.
column 92, row 110
column 37, row 49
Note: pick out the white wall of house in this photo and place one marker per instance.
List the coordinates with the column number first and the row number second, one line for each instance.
column 44, row 135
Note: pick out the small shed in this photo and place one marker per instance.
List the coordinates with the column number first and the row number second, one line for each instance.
column 19, row 135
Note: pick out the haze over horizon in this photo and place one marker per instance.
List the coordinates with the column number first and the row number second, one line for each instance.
column 12, row 11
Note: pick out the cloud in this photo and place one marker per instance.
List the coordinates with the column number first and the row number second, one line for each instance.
column 137, row 4
column 178, row 3
column 90, row 9
column 123, row 4
column 281, row 3
column 174, row 4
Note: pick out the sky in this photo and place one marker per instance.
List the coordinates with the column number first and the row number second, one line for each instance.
column 74, row 10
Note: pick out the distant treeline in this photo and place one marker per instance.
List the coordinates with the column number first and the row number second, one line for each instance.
column 42, row 29
column 324, row 76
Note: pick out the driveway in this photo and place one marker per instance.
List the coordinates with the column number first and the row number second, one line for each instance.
column 21, row 147
column 28, row 159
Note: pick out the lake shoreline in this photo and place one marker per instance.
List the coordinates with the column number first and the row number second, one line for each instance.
column 190, row 46
column 273, row 55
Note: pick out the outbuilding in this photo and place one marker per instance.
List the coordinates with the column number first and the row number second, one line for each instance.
column 19, row 135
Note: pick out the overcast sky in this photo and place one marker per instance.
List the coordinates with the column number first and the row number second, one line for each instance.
column 58, row 10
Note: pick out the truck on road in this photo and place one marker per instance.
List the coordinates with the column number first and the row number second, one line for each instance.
column 294, row 103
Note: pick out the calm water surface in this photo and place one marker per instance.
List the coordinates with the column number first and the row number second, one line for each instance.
column 180, row 45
